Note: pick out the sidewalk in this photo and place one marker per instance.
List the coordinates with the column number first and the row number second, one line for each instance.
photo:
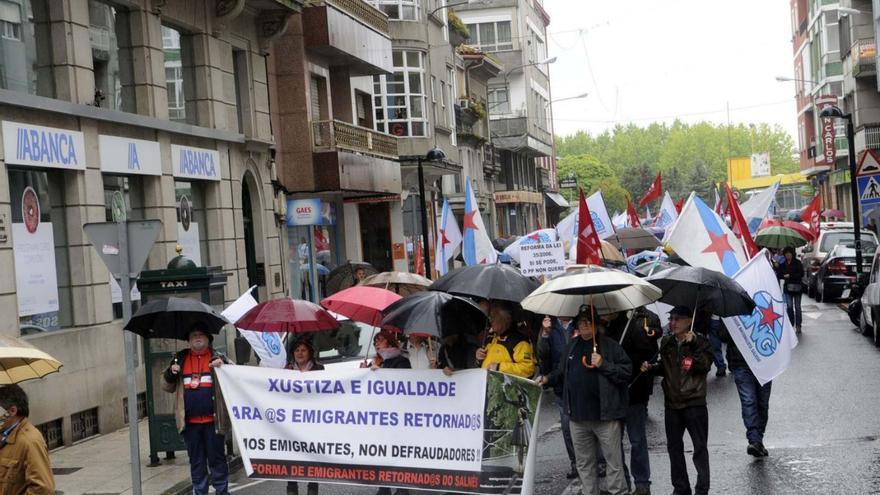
column 101, row 465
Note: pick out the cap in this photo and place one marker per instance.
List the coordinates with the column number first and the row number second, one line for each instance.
column 682, row 311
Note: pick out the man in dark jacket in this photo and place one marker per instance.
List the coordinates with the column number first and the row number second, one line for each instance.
column 595, row 372
column 753, row 397
column 685, row 359
column 640, row 344
column 556, row 333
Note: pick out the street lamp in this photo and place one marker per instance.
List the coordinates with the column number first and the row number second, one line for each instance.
column 834, row 112
column 786, row 79
column 576, row 97
column 435, row 154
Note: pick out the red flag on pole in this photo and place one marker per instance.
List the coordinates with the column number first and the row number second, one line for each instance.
column 739, row 225
column 588, row 240
column 631, row 215
column 419, row 260
column 718, row 200
column 654, row 192
column 678, row 205
column 811, row 215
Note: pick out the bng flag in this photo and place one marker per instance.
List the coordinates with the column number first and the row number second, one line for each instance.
column 764, row 338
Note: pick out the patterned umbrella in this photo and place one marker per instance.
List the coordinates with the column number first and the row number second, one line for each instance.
column 779, row 237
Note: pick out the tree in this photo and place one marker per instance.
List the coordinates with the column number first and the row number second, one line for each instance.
column 700, row 181
column 637, row 180
column 613, row 193
column 586, row 169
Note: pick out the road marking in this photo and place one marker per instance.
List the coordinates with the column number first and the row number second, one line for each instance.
column 242, row 487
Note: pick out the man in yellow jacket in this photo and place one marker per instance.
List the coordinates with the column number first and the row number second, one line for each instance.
column 508, row 351
column 24, row 458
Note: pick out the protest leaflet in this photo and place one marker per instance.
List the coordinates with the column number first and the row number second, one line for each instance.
column 468, row 433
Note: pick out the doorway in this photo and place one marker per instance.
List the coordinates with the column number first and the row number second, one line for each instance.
column 253, row 266
column 375, row 220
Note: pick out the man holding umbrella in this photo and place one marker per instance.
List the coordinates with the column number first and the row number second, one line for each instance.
column 594, row 371
column 199, row 410
column 685, row 359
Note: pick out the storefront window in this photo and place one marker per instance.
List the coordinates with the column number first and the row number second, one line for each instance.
column 308, row 244
column 25, row 47
column 191, row 233
column 42, row 275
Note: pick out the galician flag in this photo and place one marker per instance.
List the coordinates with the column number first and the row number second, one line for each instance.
column 702, row 239
column 478, row 248
column 756, row 209
column 667, row 214
column 448, row 239
column 765, row 337
column 267, row 345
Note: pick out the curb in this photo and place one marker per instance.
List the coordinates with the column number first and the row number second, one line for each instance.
column 185, row 487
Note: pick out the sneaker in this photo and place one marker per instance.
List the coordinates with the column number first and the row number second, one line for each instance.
column 721, row 372
column 754, row 450
column 573, row 473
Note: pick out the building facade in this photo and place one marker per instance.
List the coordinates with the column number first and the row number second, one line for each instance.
column 514, row 32
column 162, row 103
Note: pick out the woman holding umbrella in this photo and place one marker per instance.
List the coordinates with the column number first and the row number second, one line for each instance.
column 791, row 272
column 303, row 360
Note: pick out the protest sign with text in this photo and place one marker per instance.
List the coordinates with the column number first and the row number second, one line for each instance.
column 399, row 428
column 542, row 259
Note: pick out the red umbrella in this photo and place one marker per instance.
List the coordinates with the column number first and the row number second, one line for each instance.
column 361, row 303
column 833, row 213
column 287, row 315
column 796, row 226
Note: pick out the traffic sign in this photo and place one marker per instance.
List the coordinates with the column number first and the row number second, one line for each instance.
column 869, row 164
column 568, row 183
column 869, row 189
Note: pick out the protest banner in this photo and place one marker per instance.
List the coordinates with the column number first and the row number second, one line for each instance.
column 542, row 259
column 466, row 433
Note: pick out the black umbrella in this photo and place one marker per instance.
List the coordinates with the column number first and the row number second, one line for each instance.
column 702, row 288
column 173, row 318
column 498, row 281
column 436, row 314
column 648, row 268
column 343, row 276
column 501, row 243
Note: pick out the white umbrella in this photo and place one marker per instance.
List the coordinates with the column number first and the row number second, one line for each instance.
column 608, row 291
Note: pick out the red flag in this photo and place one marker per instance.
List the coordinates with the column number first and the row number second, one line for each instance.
column 718, row 201
column 739, row 225
column 588, row 247
column 632, row 216
column 419, row 260
column 678, row 205
column 811, row 215
column 654, row 192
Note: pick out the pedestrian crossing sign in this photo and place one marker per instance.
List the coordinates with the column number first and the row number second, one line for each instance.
column 869, row 164
column 869, row 189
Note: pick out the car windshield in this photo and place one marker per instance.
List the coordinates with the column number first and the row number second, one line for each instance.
column 831, row 239
column 347, row 343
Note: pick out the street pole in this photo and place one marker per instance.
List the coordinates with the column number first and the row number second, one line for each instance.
column 854, row 191
column 130, row 356
column 426, row 255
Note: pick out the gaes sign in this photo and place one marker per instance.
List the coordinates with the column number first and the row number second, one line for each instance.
column 304, row 212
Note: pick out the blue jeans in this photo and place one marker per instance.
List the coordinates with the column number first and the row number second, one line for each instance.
column 755, row 401
column 566, row 429
column 639, row 461
column 793, row 308
column 206, row 449
column 715, row 343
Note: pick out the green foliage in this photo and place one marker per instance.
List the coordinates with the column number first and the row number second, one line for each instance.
column 586, row 169
column 613, row 193
column 477, row 108
column 457, row 24
column 634, row 154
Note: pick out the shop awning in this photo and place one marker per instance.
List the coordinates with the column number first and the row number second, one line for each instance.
column 557, row 199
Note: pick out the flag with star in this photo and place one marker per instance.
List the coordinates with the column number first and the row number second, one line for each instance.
column 448, row 239
column 478, row 248
column 702, row 239
column 765, row 337
column 588, row 248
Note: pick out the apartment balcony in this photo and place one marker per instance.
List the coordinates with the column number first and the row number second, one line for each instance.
column 862, row 60
column 351, row 158
column 350, row 33
column 521, row 134
column 867, row 137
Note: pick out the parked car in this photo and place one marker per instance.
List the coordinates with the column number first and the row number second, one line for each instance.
column 814, row 254
column 869, row 322
column 837, row 272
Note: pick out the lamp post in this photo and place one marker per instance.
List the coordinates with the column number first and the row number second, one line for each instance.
column 834, row 112
column 435, row 154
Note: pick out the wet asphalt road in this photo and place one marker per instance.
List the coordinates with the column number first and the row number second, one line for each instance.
column 822, row 435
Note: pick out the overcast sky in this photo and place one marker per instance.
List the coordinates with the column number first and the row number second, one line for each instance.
column 653, row 60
